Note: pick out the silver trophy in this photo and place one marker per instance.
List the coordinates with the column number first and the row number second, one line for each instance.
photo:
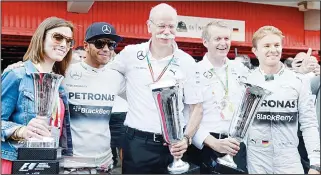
column 166, row 96
column 252, row 97
column 46, row 92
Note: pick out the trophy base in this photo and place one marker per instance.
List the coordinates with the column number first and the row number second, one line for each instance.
column 226, row 165
column 36, row 167
column 227, row 160
column 193, row 169
column 178, row 167
column 39, row 153
column 223, row 169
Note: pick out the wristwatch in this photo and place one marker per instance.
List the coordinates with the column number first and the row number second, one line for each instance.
column 189, row 139
column 315, row 167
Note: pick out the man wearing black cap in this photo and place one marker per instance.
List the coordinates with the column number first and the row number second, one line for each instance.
column 92, row 90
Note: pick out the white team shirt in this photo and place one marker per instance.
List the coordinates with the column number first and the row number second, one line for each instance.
column 212, row 93
column 132, row 63
column 91, row 96
column 278, row 116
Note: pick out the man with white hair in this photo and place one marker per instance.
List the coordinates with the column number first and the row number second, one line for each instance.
column 142, row 64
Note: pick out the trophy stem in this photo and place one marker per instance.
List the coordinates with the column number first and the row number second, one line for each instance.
column 178, row 167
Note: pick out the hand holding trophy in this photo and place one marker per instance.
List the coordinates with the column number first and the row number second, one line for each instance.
column 40, row 153
column 166, row 96
column 242, row 119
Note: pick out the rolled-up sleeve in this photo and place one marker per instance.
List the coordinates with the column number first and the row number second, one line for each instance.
column 200, row 136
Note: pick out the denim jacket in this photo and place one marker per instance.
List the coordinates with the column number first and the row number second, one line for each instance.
column 17, row 100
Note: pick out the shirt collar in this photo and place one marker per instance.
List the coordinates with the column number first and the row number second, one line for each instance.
column 90, row 68
column 272, row 76
column 209, row 65
column 30, row 68
column 147, row 50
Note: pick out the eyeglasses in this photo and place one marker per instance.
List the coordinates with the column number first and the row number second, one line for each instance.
column 101, row 43
column 58, row 38
column 163, row 26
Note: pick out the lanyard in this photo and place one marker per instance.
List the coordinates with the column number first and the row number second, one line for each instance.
column 163, row 71
column 226, row 80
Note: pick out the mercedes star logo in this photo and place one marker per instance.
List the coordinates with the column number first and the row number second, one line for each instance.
column 208, row 74
column 106, row 29
column 75, row 75
column 140, row 55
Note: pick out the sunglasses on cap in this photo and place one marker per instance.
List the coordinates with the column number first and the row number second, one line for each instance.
column 58, row 39
column 101, row 43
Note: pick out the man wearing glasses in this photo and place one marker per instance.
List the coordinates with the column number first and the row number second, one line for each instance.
column 144, row 150
column 92, row 90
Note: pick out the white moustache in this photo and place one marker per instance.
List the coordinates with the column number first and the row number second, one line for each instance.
column 163, row 36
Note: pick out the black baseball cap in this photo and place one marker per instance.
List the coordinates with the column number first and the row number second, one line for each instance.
column 102, row 30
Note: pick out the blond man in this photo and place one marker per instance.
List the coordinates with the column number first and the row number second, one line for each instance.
column 272, row 139
column 220, row 94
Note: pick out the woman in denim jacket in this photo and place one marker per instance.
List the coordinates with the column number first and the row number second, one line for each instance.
column 49, row 51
